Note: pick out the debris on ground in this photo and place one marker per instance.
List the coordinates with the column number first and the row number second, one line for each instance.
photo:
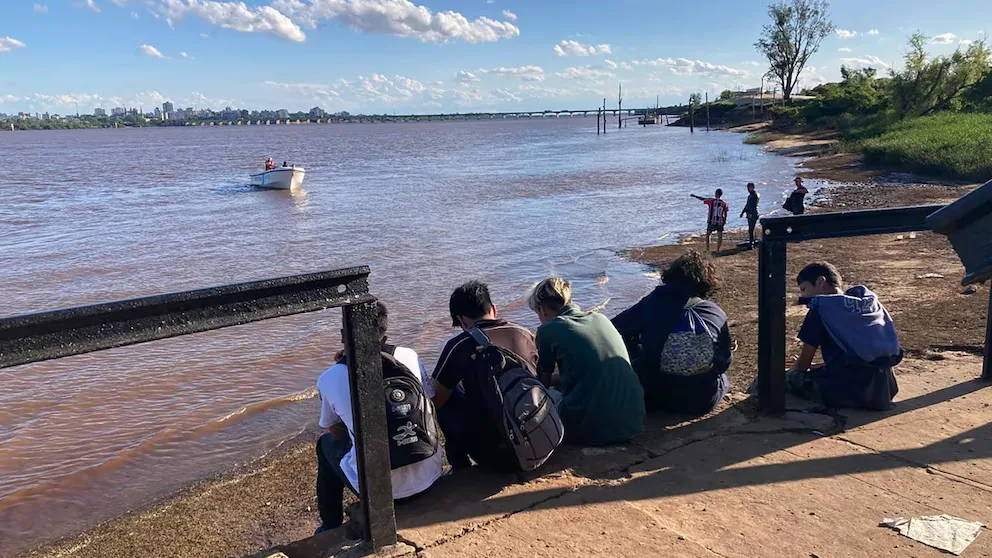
column 943, row 532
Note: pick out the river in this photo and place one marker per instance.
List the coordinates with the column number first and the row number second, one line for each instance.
column 98, row 215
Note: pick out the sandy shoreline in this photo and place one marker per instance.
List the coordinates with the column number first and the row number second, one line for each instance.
column 271, row 501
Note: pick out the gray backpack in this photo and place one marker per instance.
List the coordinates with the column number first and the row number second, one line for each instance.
column 520, row 410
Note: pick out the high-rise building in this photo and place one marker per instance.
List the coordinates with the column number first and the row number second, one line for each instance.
column 282, row 114
column 317, row 112
column 99, row 112
column 168, row 107
column 119, row 111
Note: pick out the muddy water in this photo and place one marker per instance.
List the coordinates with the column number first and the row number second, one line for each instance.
column 89, row 216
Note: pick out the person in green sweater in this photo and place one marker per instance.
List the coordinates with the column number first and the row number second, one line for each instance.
column 599, row 397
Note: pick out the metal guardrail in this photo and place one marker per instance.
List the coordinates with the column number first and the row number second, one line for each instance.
column 72, row 331
column 778, row 232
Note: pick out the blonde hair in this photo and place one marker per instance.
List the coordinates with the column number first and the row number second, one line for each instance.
column 553, row 293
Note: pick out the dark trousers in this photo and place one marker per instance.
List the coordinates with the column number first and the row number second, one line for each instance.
column 467, row 433
column 331, row 480
column 751, row 222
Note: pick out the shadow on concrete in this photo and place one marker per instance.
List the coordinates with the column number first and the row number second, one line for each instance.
column 457, row 497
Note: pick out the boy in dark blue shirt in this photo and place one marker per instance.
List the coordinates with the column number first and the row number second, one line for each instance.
column 855, row 336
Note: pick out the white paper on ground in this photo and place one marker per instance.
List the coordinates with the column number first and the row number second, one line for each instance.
column 943, row 532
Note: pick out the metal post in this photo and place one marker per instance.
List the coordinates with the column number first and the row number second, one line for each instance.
column 987, row 365
column 771, row 325
column 369, row 410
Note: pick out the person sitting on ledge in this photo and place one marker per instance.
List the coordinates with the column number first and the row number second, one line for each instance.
column 600, row 400
column 679, row 342
column 468, row 431
column 855, row 336
column 415, row 455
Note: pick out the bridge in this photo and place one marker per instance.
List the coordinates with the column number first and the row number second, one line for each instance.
column 439, row 117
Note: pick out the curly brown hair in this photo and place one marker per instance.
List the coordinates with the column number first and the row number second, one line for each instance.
column 693, row 271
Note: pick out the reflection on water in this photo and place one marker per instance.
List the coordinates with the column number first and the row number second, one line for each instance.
column 109, row 214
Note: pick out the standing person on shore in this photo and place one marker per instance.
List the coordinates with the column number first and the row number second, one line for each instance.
column 599, row 397
column 415, row 455
column 856, row 338
column 679, row 341
column 796, row 204
column 751, row 210
column 716, row 218
column 468, row 432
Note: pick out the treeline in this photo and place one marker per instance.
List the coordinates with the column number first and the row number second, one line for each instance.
column 933, row 116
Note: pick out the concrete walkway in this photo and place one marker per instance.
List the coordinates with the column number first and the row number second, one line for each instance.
column 734, row 484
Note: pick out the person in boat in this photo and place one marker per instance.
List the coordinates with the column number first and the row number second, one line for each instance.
column 416, row 445
column 716, row 219
column 856, row 338
column 285, row 164
column 269, row 164
column 796, row 204
column 679, row 341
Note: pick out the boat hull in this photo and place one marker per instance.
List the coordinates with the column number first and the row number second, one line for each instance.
column 285, row 178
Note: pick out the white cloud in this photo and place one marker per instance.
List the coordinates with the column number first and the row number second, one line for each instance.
column 8, row 98
column 845, row 34
column 862, row 62
column 575, row 48
column 41, row 8
column 685, row 67
column 874, row 32
column 152, row 51
column 232, row 15
column 120, row 3
column 134, row 15
column 8, row 44
column 966, row 42
column 311, row 90
column 506, row 96
column 845, row 49
column 752, row 63
column 626, row 66
column 944, row 39
column 610, row 64
column 187, row 56
column 509, row 16
column 91, row 4
column 584, row 73
column 466, row 77
column 204, row 36
column 398, row 17
column 525, row 73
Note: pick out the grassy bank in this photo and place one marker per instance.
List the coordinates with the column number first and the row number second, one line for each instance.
column 949, row 144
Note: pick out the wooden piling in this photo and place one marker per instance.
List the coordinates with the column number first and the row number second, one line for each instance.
column 620, row 107
column 599, row 114
column 707, row 111
column 692, row 115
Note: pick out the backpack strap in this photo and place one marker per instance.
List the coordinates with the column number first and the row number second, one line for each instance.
column 481, row 339
column 693, row 301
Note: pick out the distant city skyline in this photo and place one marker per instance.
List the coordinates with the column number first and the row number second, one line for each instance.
column 381, row 56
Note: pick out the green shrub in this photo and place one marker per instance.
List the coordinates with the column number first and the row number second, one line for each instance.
column 946, row 144
column 786, row 117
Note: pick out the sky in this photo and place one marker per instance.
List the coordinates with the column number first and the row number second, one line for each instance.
column 423, row 56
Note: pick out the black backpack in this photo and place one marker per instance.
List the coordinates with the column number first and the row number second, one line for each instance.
column 410, row 418
column 521, row 414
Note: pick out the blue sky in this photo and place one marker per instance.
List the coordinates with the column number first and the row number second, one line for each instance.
column 425, row 55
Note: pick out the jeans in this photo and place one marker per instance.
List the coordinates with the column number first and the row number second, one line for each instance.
column 469, row 434
column 751, row 222
column 331, row 480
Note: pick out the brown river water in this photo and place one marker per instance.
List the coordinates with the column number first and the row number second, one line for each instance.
column 96, row 215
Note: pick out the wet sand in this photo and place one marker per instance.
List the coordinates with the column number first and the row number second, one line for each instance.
column 271, row 502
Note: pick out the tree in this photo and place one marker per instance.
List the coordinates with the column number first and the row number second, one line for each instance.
column 929, row 85
column 794, row 35
column 726, row 95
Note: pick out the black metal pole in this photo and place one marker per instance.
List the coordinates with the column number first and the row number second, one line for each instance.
column 987, row 365
column 771, row 326
column 369, row 410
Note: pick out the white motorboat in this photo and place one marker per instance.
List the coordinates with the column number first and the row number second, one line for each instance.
column 282, row 178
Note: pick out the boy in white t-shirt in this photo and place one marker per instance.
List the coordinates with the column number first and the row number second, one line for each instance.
column 336, row 460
